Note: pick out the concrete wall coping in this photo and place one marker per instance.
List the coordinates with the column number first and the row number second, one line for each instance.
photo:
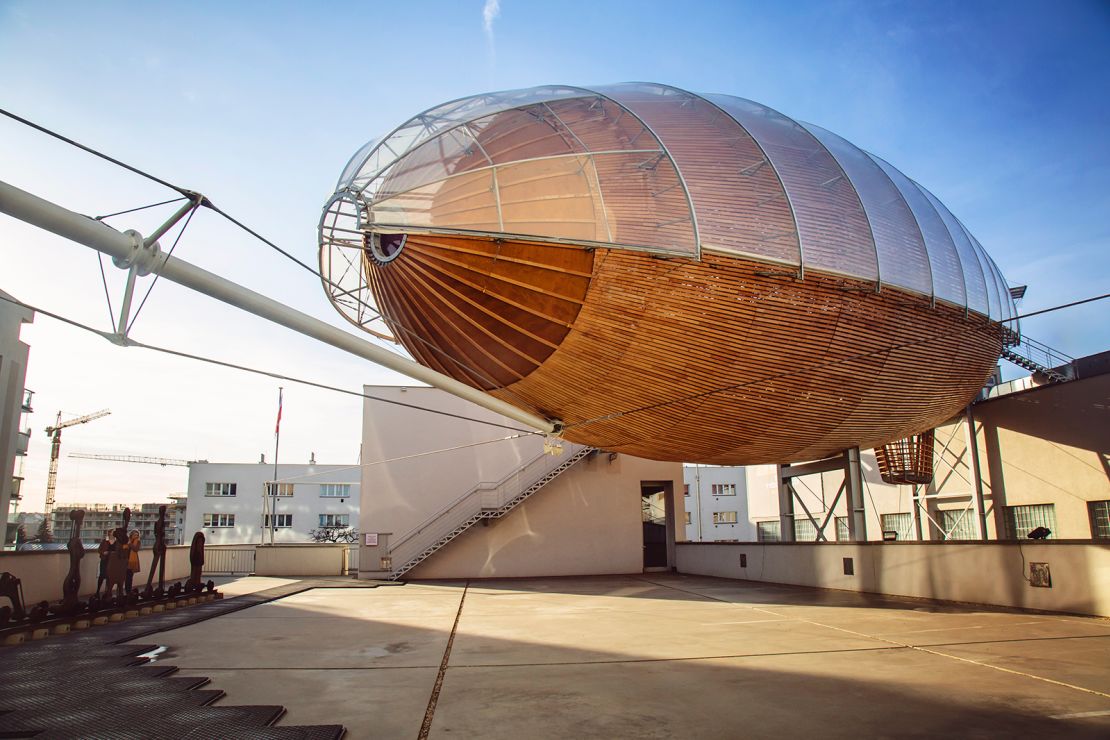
column 903, row 543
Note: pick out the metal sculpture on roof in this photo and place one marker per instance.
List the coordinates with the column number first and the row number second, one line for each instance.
column 672, row 275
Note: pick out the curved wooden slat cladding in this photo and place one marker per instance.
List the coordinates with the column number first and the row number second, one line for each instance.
column 721, row 361
column 485, row 311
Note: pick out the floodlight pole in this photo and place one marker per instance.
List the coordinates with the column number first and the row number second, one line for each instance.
column 129, row 250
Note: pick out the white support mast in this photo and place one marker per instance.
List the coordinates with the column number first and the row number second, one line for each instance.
column 129, row 250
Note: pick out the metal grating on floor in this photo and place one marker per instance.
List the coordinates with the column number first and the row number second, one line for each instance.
column 95, row 683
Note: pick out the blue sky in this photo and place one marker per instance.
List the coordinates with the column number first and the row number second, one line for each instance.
column 1001, row 109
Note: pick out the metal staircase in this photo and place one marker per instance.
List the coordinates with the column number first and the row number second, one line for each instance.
column 484, row 501
column 1038, row 358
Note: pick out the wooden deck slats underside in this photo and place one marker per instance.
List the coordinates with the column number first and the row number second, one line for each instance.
column 485, row 312
column 713, row 361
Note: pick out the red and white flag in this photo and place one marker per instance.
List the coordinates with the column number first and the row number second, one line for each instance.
column 277, row 427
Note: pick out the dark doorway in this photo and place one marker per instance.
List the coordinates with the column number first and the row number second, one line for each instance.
column 653, row 508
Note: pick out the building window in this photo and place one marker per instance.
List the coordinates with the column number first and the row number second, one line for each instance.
column 219, row 520
column 724, row 517
column 688, row 521
column 283, row 489
column 335, row 520
column 842, row 534
column 724, row 489
column 686, row 489
column 901, row 523
column 283, row 521
column 335, row 490
column 804, row 531
column 959, row 524
column 1021, row 520
column 1100, row 518
column 219, row 489
column 768, row 531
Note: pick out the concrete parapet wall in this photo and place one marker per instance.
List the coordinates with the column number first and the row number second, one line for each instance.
column 994, row 573
column 42, row 573
column 310, row 559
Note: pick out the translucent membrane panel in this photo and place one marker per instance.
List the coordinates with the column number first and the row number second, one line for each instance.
column 580, row 169
column 903, row 260
column 834, row 233
column 1005, row 302
column 739, row 201
column 978, row 289
column 948, row 274
column 436, row 120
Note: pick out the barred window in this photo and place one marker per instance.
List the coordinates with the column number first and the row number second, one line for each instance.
column 902, row 523
column 804, row 531
column 959, row 524
column 1021, row 520
column 768, row 531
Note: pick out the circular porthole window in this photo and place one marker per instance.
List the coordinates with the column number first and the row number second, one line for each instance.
column 386, row 247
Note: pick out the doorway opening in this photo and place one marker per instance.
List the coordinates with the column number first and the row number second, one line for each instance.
column 654, row 515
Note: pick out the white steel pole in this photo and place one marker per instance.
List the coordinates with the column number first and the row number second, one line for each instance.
column 127, row 249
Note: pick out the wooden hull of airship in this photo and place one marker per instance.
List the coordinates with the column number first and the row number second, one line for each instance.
column 719, row 360
column 669, row 275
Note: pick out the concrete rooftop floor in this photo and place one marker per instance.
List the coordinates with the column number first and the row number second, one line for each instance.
column 650, row 656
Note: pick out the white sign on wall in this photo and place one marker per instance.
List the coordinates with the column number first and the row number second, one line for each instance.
column 371, row 539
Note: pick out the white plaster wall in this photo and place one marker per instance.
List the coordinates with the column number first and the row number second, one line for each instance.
column 585, row 522
column 979, row 573
column 306, row 503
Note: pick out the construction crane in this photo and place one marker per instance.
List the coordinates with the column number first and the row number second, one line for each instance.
column 163, row 461
column 55, row 434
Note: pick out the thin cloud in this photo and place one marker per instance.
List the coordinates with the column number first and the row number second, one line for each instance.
column 490, row 12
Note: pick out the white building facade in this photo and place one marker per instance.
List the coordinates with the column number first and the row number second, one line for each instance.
column 225, row 501
column 14, row 404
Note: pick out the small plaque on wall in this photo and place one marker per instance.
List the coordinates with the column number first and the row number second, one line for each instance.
column 371, row 539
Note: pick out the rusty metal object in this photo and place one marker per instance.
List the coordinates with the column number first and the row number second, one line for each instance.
column 71, row 586
column 12, row 587
column 196, row 560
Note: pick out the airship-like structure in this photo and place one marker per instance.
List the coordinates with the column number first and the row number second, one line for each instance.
column 672, row 275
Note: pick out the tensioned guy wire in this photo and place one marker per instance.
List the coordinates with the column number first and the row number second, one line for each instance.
column 258, row 371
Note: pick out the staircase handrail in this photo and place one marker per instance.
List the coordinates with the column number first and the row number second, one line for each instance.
column 569, row 449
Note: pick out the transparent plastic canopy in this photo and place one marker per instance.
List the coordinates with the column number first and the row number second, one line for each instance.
column 651, row 167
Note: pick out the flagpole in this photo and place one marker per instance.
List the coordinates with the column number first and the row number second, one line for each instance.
column 274, row 490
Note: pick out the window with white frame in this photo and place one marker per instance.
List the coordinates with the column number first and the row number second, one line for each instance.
column 283, row 489
column 1021, row 520
column 724, row 489
column 282, row 521
column 219, row 489
column 335, row 490
column 842, row 534
column 688, row 520
column 219, row 520
column 902, row 523
column 1100, row 519
column 724, row 517
column 335, row 520
column 768, row 531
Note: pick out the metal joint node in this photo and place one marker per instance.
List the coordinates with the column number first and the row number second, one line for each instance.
column 143, row 257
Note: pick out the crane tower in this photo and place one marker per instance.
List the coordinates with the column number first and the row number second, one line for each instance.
column 55, row 434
